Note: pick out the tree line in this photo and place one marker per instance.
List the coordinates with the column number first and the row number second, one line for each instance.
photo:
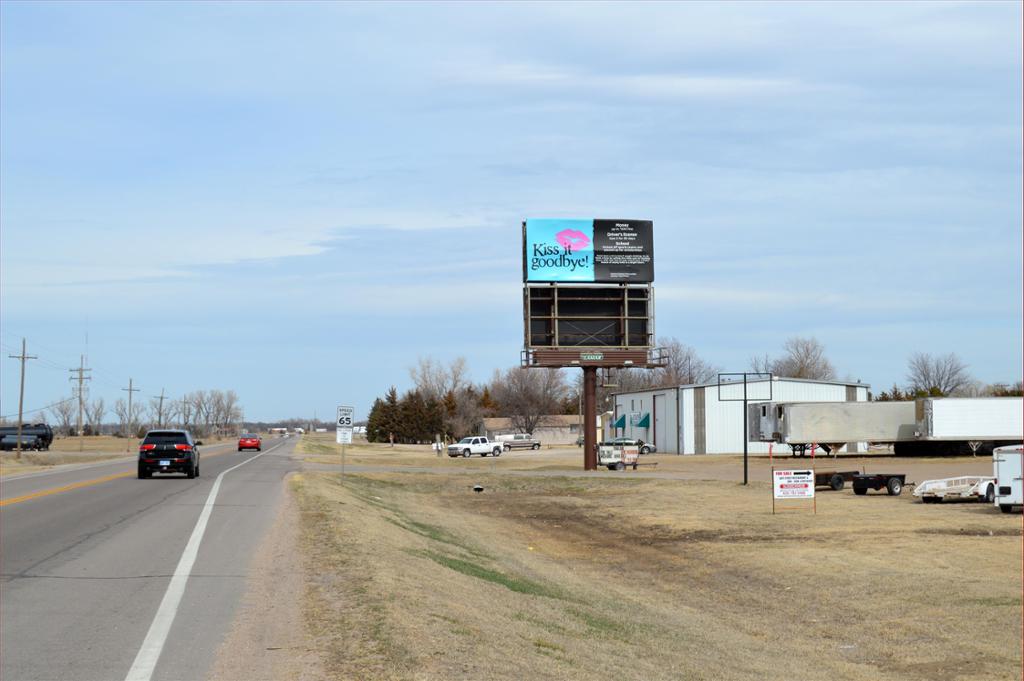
column 444, row 402
column 204, row 412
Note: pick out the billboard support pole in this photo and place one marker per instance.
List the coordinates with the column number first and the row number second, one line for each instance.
column 589, row 418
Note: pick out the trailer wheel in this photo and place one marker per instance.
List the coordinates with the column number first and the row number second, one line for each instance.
column 990, row 494
column 894, row 487
column 836, row 482
column 620, row 466
column 1006, row 508
column 929, row 500
column 860, row 491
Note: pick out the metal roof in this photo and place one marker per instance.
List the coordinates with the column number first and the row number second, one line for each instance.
column 713, row 384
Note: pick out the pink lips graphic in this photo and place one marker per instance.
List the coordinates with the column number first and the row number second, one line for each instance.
column 573, row 239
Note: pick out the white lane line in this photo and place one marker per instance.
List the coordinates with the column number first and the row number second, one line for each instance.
column 153, row 645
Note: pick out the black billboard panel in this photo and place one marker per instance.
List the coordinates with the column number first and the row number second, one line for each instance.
column 623, row 251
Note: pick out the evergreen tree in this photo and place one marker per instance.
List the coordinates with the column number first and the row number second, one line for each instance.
column 375, row 432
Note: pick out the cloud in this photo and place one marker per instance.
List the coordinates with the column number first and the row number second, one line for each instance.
column 646, row 85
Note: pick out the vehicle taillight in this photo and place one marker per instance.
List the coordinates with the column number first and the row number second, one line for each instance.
column 146, row 448
column 183, row 448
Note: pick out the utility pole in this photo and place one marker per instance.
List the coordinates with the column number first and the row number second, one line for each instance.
column 160, row 411
column 21, row 394
column 131, row 414
column 81, row 396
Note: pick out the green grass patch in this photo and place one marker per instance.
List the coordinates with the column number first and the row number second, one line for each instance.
column 599, row 624
column 996, row 601
column 548, row 646
column 434, row 533
column 512, row 583
column 550, row 627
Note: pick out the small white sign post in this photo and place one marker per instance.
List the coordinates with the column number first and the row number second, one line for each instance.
column 790, row 484
column 344, row 431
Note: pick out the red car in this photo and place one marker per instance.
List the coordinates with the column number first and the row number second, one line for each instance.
column 250, row 441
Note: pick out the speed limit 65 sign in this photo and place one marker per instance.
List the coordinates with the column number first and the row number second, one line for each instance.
column 345, row 417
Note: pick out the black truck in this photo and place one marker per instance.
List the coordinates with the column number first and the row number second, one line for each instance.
column 37, row 436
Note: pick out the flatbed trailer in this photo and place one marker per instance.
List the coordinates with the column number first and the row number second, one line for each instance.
column 977, row 487
column 834, row 479
column 892, row 483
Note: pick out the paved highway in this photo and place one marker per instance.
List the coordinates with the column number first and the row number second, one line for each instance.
column 108, row 577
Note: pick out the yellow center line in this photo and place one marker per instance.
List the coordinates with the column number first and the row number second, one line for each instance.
column 65, row 488
column 79, row 485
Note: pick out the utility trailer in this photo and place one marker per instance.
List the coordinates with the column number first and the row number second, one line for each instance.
column 830, row 425
column 616, row 457
column 977, row 487
column 834, row 479
column 1006, row 464
column 892, row 483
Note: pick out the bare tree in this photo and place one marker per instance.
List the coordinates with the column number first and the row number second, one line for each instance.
column 124, row 419
column 64, row 413
column 200, row 407
column 229, row 412
column 946, row 374
column 434, row 379
column 684, row 365
column 803, row 358
column 94, row 412
column 761, row 364
column 526, row 396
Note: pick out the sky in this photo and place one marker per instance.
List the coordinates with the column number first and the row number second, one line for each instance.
column 297, row 201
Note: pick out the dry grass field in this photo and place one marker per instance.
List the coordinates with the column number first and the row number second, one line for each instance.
column 412, row 575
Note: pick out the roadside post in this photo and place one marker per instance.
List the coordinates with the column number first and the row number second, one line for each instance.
column 733, row 378
column 344, row 431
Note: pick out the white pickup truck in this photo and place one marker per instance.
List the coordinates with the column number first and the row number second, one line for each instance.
column 479, row 444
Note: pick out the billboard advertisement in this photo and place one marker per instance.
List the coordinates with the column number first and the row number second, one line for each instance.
column 588, row 250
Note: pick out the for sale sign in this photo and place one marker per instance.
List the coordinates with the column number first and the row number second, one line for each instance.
column 793, row 484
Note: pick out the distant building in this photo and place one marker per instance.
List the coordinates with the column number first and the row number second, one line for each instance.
column 557, row 429
column 692, row 419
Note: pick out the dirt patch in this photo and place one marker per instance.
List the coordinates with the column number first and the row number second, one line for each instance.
column 567, row 578
column 269, row 640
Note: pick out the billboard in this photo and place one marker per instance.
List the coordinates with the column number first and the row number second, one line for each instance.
column 588, row 250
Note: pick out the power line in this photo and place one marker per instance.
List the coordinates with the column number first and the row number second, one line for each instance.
column 33, row 411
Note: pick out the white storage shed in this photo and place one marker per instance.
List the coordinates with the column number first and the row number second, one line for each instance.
column 708, row 419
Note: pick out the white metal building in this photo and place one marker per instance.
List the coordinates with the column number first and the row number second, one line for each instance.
column 708, row 419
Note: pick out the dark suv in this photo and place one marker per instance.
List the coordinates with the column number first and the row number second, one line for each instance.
column 169, row 451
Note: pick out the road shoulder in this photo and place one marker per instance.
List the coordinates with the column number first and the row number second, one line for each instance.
column 268, row 639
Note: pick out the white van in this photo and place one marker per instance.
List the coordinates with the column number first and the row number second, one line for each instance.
column 1006, row 466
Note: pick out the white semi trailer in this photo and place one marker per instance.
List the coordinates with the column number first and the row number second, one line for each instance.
column 980, row 423
column 925, row 426
column 831, row 425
